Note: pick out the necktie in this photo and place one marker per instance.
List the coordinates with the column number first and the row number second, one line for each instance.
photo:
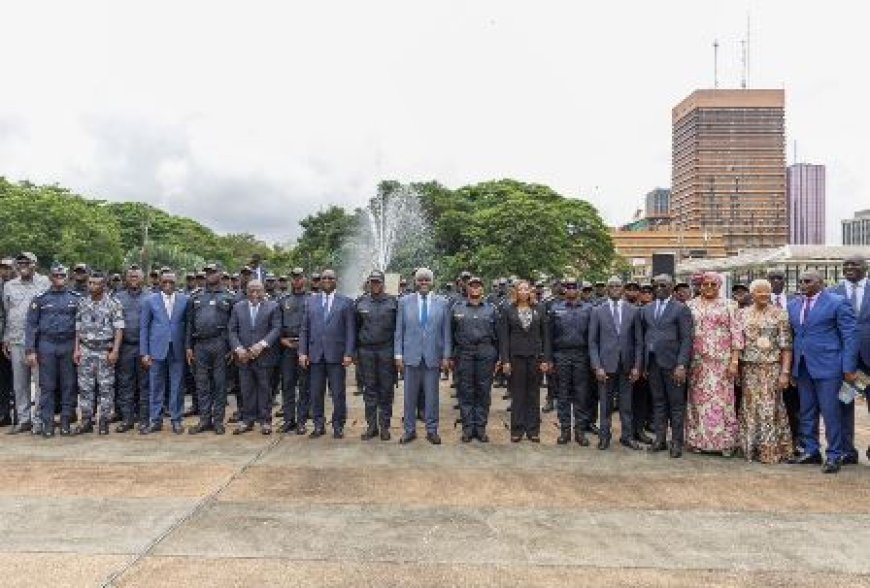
column 424, row 311
column 778, row 300
column 614, row 310
column 660, row 307
column 805, row 310
column 326, row 304
column 854, row 297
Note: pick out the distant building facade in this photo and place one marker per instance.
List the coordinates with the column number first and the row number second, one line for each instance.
column 805, row 184
column 856, row 231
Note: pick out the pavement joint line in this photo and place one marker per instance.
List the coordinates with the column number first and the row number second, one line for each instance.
column 185, row 518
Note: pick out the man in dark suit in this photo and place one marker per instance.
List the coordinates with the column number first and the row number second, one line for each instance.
column 855, row 289
column 326, row 346
column 161, row 345
column 616, row 355
column 780, row 299
column 667, row 342
column 255, row 326
column 422, row 346
column 825, row 353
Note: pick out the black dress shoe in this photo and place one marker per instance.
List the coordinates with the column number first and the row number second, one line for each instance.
column 676, row 451
column 658, row 446
column 124, row 427
column 483, row 437
column 831, row 467
column 433, row 438
column 20, row 428
column 200, row 427
column 385, row 435
column 301, row 429
column 317, row 433
column 48, row 431
column 466, row 437
column 338, row 434
column 370, row 433
column 103, row 427
column 534, row 438
column 242, row 428
column 603, row 443
column 288, row 427
column 564, row 437
column 516, row 438
column 580, row 438
column 266, row 429
column 642, row 437
column 177, row 428
column 65, row 430
column 87, row 426
column 152, row 428
column 850, row 460
column 806, row 459
column 631, row 444
column 219, row 429
column 407, row 438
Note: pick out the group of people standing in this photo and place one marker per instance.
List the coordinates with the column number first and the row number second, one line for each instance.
column 704, row 372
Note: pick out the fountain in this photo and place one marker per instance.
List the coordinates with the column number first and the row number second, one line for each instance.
column 392, row 226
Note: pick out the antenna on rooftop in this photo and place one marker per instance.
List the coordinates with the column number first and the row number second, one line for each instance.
column 715, row 63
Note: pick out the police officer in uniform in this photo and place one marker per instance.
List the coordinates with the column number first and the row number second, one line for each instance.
column 49, row 344
column 556, row 292
column 207, row 345
column 293, row 376
column 81, row 272
column 567, row 348
column 130, row 376
column 99, row 332
column 475, row 341
column 376, row 325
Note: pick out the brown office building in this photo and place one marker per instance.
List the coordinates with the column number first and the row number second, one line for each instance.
column 728, row 173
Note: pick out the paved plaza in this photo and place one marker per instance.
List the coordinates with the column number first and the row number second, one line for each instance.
column 167, row 510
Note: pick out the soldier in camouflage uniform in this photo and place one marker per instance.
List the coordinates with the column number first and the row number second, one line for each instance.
column 99, row 331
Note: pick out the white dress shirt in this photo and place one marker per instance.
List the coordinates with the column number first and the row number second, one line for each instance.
column 168, row 303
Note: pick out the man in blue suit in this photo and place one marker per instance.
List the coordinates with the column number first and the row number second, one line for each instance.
column 422, row 346
column 855, row 290
column 161, row 345
column 825, row 353
column 326, row 347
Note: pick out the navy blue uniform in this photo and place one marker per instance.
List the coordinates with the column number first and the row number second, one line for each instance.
column 50, row 333
column 475, row 346
column 376, row 325
column 567, row 348
column 206, row 334
column 131, row 379
column 293, row 377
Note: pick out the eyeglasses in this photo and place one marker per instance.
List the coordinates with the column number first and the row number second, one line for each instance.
column 570, row 286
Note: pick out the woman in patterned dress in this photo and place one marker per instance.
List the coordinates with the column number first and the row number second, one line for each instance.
column 765, row 367
column 711, row 416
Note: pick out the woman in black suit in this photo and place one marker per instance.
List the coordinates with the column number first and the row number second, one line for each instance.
column 521, row 345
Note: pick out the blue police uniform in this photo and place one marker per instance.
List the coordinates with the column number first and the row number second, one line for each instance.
column 50, row 333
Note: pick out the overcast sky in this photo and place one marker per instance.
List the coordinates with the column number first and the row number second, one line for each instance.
column 250, row 115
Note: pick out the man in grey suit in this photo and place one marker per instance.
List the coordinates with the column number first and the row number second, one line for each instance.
column 668, row 332
column 327, row 344
column 255, row 326
column 422, row 348
column 616, row 355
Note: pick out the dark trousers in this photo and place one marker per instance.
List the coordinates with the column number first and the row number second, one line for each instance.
column 256, row 388
column 474, row 375
column 378, row 371
column 525, row 391
column 335, row 374
column 792, row 400
column 820, row 397
column 294, row 379
column 641, row 406
column 572, row 367
column 617, row 388
column 552, row 386
column 57, row 376
column 669, row 403
column 210, row 371
column 592, row 400
column 424, row 380
column 131, row 381
column 6, row 395
column 169, row 370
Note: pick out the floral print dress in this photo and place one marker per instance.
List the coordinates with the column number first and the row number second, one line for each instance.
column 711, row 415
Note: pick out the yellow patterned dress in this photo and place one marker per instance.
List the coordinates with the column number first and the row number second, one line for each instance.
column 764, row 432
column 711, row 413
